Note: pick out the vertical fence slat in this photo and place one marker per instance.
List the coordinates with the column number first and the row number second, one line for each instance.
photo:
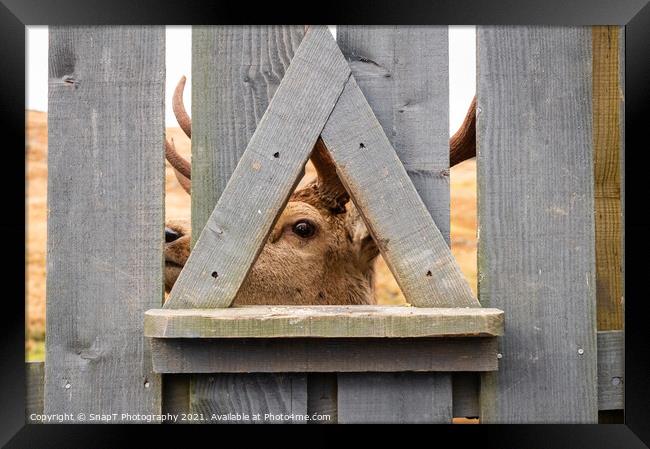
column 403, row 72
column 607, row 175
column 235, row 72
column 536, row 225
column 105, row 221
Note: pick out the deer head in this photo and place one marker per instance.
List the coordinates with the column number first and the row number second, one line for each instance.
column 319, row 250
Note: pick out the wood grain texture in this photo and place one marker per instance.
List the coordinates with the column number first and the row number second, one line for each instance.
column 235, row 73
column 277, row 355
column 34, row 383
column 323, row 321
column 536, row 222
column 412, row 245
column 394, row 398
column 611, row 370
column 235, row 398
column 261, row 183
column 403, row 73
column 607, row 96
column 105, row 217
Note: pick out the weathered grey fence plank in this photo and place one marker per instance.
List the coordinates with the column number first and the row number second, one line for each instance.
column 105, row 220
column 235, row 72
column 252, row 355
column 611, row 370
column 34, row 383
column 264, row 177
column 236, row 398
column 403, row 73
column 394, row 398
column 536, row 222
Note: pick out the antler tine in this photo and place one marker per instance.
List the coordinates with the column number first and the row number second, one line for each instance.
column 176, row 160
column 185, row 183
column 179, row 108
column 462, row 145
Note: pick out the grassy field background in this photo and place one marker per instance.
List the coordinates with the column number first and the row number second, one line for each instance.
column 177, row 204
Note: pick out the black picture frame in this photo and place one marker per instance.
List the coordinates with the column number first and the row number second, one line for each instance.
column 634, row 14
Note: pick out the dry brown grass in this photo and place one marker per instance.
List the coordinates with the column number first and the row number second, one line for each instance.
column 177, row 204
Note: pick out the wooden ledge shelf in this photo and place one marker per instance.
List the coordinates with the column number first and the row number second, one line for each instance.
column 323, row 321
column 278, row 339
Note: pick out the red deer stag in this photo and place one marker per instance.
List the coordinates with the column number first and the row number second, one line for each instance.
column 319, row 251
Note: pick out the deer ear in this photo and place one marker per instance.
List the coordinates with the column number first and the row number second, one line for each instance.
column 368, row 250
column 365, row 245
column 330, row 188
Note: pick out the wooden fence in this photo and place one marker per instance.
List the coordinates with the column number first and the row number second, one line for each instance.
column 549, row 138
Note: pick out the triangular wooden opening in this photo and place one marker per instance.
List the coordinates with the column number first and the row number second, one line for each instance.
column 319, row 96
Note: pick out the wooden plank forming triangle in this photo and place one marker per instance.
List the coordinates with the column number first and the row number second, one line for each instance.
column 318, row 96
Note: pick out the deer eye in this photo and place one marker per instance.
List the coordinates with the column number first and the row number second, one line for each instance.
column 171, row 235
column 304, row 229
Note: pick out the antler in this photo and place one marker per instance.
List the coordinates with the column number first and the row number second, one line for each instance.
column 462, row 145
column 182, row 167
column 179, row 108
